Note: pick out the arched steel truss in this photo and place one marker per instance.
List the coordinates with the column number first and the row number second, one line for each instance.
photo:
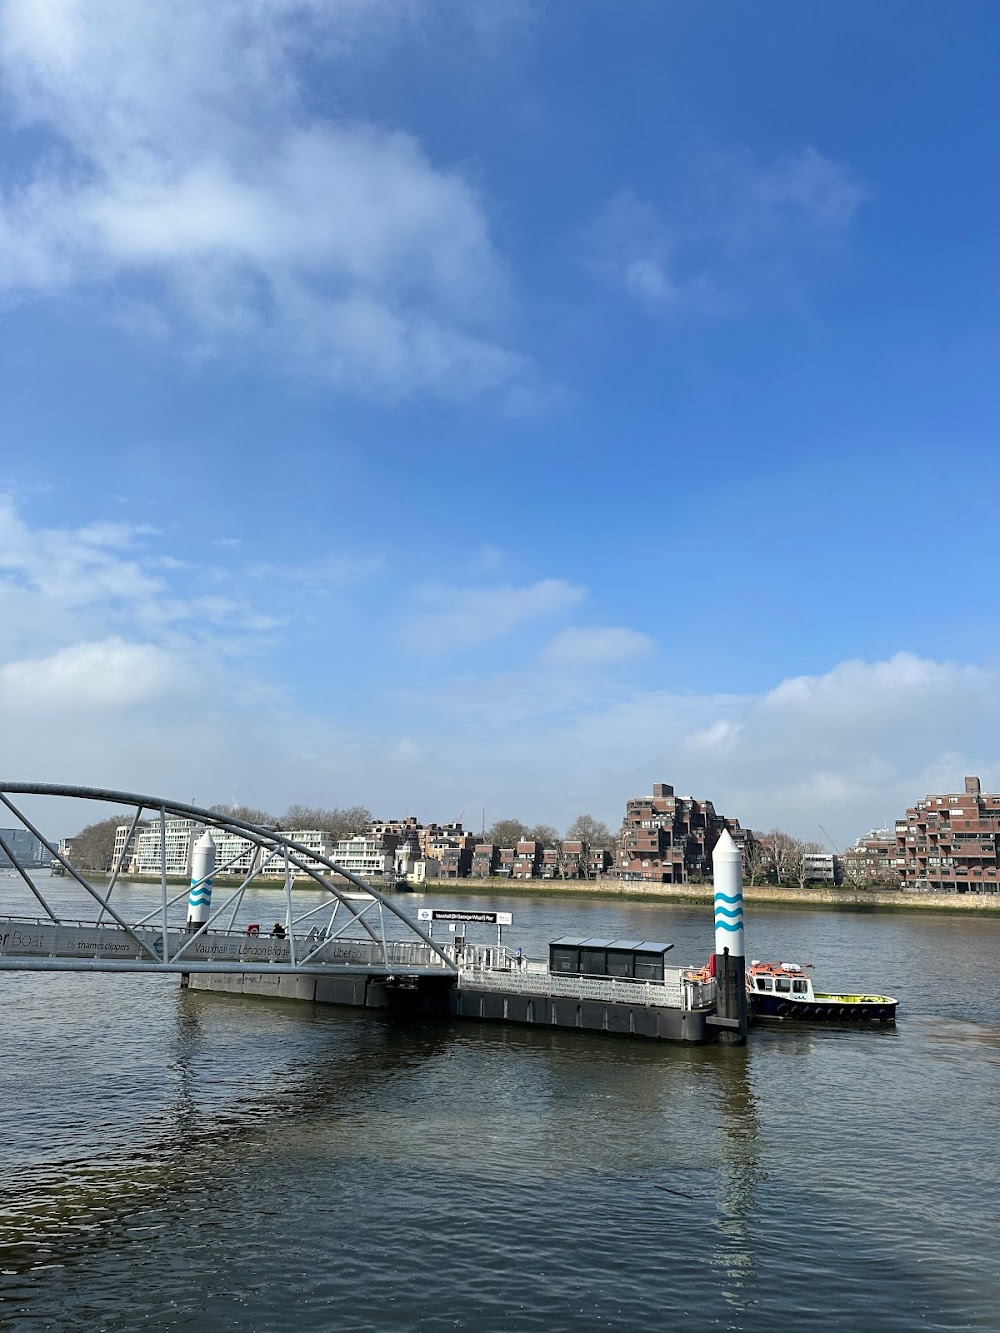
column 161, row 941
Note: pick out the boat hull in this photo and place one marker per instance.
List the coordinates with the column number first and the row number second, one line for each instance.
column 825, row 1008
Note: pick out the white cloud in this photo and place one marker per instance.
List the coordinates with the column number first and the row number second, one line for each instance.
column 733, row 220
column 595, row 646
column 445, row 616
column 489, row 559
column 799, row 197
column 84, row 677
column 336, row 569
column 715, row 736
column 647, row 277
column 629, row 245
column 110, row 685
column 99, row 579
column 189, row 166
column 846, row 748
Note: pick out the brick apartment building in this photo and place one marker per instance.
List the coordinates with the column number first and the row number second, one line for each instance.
column 457, row 854
column 528, row 859
column 448, row 845
column 485, row 860
column 950, row 843
column 531, row 860
column 574, row 859
column 601, row 862
column 666, row 838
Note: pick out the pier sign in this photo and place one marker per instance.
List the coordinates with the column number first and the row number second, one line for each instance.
column 485, row 918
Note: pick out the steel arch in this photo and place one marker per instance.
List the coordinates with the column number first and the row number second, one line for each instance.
column 270, row 842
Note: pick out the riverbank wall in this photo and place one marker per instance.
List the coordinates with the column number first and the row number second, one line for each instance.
column 767, row 895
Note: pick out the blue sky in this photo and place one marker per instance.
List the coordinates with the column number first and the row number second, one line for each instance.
column 455, row 406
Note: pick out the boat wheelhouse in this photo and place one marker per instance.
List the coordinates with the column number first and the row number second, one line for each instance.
column 785, row 990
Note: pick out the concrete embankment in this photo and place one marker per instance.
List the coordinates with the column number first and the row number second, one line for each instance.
column 824, row 899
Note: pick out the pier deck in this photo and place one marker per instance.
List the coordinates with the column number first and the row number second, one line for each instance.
column 676, row 1009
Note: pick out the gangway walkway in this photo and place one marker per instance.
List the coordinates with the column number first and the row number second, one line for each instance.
column 333, row 922
column 38, row 945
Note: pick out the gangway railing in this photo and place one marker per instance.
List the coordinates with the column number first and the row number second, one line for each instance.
column 675, row 991
column 38, row 945
column 332, row 918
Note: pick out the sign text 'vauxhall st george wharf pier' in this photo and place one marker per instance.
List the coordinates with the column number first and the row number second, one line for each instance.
column 485, row 918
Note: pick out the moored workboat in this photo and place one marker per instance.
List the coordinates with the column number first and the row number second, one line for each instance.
column 784, row 990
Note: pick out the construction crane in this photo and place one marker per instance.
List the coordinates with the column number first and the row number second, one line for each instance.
column 828, row 838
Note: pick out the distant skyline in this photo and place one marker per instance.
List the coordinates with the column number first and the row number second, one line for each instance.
column 448, row 406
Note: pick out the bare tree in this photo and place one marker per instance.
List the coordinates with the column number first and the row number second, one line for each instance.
column 506, row 833
column 800, row 860
column 304, row 816
column 543, row 833
column 754, row 858
column 779, row 854
column 860, row 872
column 338, row 823
column 857, row 872
column 94, row 846
column 573, row 865
column 249, row 814
column 587, row 829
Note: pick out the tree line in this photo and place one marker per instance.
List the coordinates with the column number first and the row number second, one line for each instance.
column 584, row 828
column 94, row 846
column 775, row 857
column 778, row 858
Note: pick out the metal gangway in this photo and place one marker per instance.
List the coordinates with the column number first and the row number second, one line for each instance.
column 334, row 922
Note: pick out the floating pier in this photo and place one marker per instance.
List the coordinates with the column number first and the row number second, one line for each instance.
column 593, row 985
column 343, row 942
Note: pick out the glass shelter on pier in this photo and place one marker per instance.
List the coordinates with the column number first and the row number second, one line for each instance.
column 638, row 960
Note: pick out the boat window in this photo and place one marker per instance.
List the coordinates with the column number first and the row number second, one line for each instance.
column 762, row 984
column 782, row 984
column 800, row 987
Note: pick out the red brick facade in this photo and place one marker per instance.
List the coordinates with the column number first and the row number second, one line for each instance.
column 950, row 843
column 666, row 838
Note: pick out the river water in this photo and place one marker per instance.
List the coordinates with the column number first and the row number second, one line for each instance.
column 181, row 1160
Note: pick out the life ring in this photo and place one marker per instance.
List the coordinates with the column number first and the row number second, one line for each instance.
column 253, row 930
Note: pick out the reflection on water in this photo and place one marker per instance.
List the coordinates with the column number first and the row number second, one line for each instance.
column 740, row 1134
column 187, row 1160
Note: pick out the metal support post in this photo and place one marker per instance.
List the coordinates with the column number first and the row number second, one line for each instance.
column 730, row 965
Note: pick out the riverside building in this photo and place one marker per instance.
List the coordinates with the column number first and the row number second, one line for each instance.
column 950, row 842
column 872, row 860
column 27, row 849
column 234, row 854
column 665, row 839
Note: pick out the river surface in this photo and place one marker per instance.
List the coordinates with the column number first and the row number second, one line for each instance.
column 181, row 1160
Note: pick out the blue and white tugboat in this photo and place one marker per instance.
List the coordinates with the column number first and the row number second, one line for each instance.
column 783, row 990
